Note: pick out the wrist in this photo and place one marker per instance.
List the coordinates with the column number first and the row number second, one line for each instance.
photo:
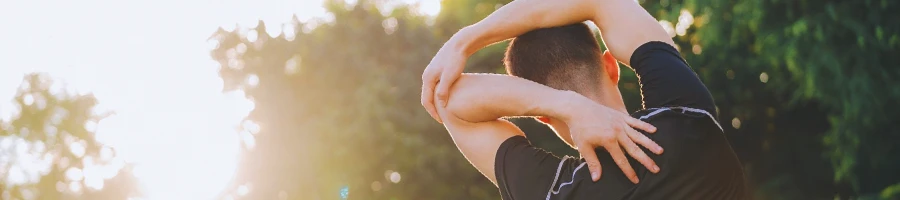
column 571, row 106
column 464, row 40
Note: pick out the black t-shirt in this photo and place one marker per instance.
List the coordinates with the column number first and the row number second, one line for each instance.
column 698, row 162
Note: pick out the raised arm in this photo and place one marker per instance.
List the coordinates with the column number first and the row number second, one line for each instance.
column 624, row 24
column 479, row 101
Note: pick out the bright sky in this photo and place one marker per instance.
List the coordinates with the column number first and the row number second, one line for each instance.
column 149, row 62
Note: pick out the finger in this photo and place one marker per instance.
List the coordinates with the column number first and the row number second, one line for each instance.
column 428, row 103
column 591, row 158
column 443, row 87
column 635, row 151
column 616, row 152
column 429, row 80
column 645, row 141
column 638, row 124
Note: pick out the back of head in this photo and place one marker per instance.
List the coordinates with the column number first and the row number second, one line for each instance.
column 566, row 58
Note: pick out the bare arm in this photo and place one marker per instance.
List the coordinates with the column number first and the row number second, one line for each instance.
column 624, row 24
column 479, row 101
column 485, row 97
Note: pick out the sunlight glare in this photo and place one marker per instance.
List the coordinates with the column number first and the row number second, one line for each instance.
column 248, row 139
column 288, row 31
column 250, row 126
column 74, row 174
column 162, row 85
column 75, row 186
column 273, row 31
column 426, row 7
column 252, row 35
column 243, row 190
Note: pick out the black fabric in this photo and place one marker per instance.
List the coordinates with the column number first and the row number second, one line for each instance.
column 667, row 80
column 698, row 162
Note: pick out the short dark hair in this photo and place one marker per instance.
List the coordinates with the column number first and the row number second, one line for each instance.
column 565, row 57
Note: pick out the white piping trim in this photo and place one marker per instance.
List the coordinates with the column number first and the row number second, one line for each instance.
column 557, row 178
column 683, row 109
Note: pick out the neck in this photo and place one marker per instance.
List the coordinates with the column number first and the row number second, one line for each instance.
column 611, row 98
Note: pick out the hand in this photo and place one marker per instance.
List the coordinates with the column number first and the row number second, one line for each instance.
column 446, row 66
column 600, row 126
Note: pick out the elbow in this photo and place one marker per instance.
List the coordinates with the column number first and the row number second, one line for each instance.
column 456, row 105
column 458, row 102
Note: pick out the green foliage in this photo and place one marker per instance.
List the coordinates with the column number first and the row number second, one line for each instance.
column 833, row 63
column 892, row 192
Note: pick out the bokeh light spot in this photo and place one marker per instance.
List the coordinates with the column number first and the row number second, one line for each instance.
column 670, row 29
column 376, row 186
column 252, row 80
column 395, row 177
column 390, row 25
column 345, row 192
column 736, row 123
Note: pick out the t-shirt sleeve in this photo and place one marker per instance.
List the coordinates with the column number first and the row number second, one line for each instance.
column 666, row 79
column 524, row 171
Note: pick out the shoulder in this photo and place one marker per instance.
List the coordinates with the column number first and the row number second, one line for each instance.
column 662, row 115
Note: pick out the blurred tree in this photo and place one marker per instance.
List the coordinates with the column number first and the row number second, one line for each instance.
column 49, row 143
column 805, row 85
column 337, row 106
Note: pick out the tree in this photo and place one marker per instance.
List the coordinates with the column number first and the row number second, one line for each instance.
column 50, row 142
column 337, row 106
column 804, row 79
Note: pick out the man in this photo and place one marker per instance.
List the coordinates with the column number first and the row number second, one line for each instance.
column 698, row 163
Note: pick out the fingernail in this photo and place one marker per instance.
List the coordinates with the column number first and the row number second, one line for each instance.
column 655, row 168
column 635, row 180
column 659, row 150
column 595, row 175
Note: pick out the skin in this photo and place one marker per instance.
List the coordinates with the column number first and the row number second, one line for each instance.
column 479, row 101
column 624, row 25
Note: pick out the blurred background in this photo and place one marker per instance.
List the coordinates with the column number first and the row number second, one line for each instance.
column 319, row 99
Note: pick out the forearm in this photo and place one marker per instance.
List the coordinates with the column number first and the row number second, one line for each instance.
column 519, row 17
column 624, row 23
column 487, row 97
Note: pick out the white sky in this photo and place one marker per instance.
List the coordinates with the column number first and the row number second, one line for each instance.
column 149, row 62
